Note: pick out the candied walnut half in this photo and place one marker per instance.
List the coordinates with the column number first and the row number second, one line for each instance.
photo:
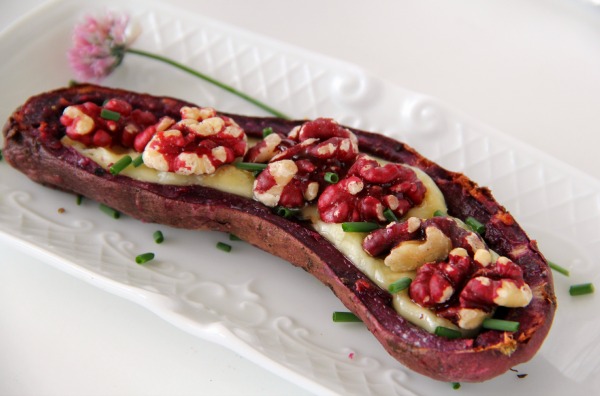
column 198, row 144
column 466, row 291
column 113, row 123
column 391, row 186
column 408, row 245
column 308, row 154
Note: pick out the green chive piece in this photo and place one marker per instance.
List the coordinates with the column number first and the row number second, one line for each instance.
column 399, row 285
column 224, row 247
column 446, row 332
column 79, row 199
column 475, row 225
column 121, row 164
column 439, row 213
column 331, row 177
column 345, row 317
column 139, row 160
column 73, row 83
column 456, row 385
column 389, row 215
column 110, row 211
column 250, row 166
column 1, row 155
column 359, row 226
column 500, row 324
column 110, row 115
column 158, row 236
column 581, row 289
column 267, row 131
column 286, row 212
column 558, row 268
column 234, row 238
column 144, row 258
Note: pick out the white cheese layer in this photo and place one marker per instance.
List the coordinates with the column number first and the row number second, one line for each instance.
column 229, row 179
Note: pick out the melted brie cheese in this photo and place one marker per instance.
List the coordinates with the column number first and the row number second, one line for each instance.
column 229, row 179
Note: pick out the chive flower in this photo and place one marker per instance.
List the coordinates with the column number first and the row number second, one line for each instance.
column 100, row 44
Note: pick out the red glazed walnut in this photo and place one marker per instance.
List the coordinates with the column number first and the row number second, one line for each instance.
column 385, row 241
column 466, row 290
column 88, row 124
column 455, row 273
column 436, row 283
column 373, row 189
column 298, row 164
column 198, row 144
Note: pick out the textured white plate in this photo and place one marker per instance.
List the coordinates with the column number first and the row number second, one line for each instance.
column 260, row 306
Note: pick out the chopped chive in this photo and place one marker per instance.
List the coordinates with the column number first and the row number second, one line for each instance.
column 144, row 258
column 439, row 213
column 399, row 285
column 359, row 226
column 121, row 164
column 389, row 215
column 234, row 238
column 446, row 332
column 224, row 247
column 345, row 317
column 331, row 177
column 286, row 212
column 500, row 324
column 456, row 385
column 558, row 268
column 110, row 211
column 109, row 115
column 475, row 225
column 73, row 83
column 79, row 199
column 581, row 289
column 1, row 155
column 250, row 166
column 267, row 131
column 158, row 236
column 139, row 160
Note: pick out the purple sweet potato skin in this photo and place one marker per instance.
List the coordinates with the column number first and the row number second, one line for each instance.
column 32, row 145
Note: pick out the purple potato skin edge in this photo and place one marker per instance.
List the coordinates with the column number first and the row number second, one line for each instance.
column 32, row 146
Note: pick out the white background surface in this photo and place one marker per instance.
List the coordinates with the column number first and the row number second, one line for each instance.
column 528, row 68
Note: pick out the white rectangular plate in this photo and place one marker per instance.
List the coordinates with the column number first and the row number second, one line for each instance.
column 258, row 305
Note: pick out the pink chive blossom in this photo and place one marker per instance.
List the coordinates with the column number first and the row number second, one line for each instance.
column 99, row 45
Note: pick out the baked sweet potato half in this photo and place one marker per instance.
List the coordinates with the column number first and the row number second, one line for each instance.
column 330, row 170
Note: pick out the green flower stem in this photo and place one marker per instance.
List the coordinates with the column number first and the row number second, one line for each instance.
column 211, row 80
